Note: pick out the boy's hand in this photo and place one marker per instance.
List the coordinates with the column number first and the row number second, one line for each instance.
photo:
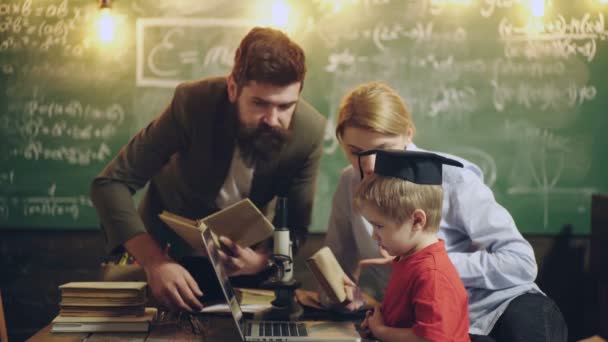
column 364, row 330
column 375, row 321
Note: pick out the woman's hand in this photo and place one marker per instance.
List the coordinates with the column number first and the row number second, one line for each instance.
column 353, row 302
column 353, row 294
column 383, row 260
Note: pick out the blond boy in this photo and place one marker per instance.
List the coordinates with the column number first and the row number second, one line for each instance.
column 425, row 300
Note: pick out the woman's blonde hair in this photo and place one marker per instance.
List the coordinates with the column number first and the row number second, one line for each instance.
column 377, row 107
column 397, row 199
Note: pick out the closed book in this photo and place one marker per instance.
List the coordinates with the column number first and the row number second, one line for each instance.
column 101, row 311
column 104, row 324
column 328, row 273
column 100, row 301
column 105, row 289
column 101, row 327
column 241, row 222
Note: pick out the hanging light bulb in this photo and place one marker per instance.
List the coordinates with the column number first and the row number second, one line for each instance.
column 538, row 8
column 280, row 14
column 106, row 21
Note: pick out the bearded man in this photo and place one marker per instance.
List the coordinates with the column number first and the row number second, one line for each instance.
column 220, row 140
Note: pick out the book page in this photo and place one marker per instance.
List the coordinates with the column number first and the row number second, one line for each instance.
column 328, row 273
column 241, row 222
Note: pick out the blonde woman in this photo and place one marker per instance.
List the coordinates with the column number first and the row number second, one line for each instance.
column 494, row 261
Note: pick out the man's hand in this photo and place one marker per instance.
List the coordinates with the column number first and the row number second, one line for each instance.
column 169, row 282
column 173, row 286
column 242, row 260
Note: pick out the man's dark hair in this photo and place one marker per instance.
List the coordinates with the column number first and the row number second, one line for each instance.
column 267, row 55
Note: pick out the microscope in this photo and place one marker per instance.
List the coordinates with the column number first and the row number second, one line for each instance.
column 285, row 305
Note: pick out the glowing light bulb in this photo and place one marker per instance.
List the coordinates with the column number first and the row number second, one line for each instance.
column 538, row 8
column 106, row 25
column 280, row 14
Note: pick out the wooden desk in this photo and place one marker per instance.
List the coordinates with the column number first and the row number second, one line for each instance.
column 214, row 329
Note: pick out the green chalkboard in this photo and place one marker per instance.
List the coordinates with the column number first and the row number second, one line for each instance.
column 524, row 99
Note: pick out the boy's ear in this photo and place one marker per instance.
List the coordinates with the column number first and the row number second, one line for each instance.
column 419, row 219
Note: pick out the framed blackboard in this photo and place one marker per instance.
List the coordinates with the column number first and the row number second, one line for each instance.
column 524, row 97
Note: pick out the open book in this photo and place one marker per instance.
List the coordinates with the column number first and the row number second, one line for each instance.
column 242, row 222
column 328, row 273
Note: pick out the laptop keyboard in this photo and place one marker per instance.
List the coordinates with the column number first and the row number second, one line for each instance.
column 282, row 329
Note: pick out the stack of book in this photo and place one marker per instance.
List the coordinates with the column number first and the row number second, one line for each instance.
column 103, row 306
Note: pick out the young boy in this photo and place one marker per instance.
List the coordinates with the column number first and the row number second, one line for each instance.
column 425, row 300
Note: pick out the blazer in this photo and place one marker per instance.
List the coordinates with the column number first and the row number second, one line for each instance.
column 185, row 154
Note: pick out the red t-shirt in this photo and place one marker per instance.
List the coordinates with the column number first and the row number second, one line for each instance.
column 426, row 294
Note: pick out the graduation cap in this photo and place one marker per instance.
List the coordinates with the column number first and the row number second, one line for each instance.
column 414, row 166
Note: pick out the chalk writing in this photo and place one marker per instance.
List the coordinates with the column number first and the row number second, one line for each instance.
column 164, row 63
column 75, row 155
column 545, row 96
column 545, row 158
column 559, row 38
column 489, row 6
column 77, row 71
column 7, row 177
column 383, row 33
column 34, row 27
column 74, row 109
column 4, row 209
column 532, row 69
column 38, row 127
column 453, row 100
column 55, row 206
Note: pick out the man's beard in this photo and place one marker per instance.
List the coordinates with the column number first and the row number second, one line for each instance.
column 262, row 144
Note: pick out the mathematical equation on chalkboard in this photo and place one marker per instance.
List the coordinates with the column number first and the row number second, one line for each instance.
column 478, row 78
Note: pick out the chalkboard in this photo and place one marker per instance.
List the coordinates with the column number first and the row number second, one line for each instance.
column 524, row 99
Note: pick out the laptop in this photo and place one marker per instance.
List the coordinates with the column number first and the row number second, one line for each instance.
column 251, row 330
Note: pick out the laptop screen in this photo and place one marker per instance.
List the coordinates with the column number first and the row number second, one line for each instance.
column 222, row 277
